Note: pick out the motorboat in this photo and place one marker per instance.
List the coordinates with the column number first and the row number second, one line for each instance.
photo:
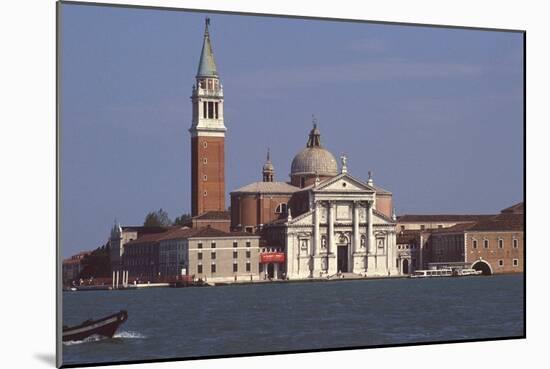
column 104, row 327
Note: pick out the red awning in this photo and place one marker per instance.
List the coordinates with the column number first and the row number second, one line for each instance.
column 272, row 257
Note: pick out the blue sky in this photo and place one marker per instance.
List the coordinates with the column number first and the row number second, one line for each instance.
column 436, row 114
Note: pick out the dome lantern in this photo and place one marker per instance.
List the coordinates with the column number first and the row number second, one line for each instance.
column 314, row 160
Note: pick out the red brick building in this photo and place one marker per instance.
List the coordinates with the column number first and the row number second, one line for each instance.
column 494, row 245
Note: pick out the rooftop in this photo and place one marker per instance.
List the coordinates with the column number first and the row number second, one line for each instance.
column 518, row 208
column 414, row 218
column 214, row 215
column 267, row 187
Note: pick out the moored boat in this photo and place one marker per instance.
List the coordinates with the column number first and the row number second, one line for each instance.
column 104, row 327
column 466, row 272
column 432, row 273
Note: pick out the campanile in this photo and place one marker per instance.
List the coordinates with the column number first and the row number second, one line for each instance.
column 207, row 135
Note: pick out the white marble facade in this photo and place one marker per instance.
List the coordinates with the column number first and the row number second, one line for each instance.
column 342, row 232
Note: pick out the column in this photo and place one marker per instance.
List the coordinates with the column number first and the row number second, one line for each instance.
column 356, row 237
column 330, row 243
column 117, row 274
column 316, row 244
column 370, row 239
column 113, row 279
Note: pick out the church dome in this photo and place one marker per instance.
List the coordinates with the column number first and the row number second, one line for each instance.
column 314, row 159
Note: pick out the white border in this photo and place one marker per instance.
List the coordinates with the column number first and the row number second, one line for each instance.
column 28, row 182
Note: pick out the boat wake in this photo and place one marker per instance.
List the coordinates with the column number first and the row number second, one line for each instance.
column 93, row 338
column 129, row 334
column 118, row 336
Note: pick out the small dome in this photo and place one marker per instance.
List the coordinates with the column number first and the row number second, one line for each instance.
column 314, row 160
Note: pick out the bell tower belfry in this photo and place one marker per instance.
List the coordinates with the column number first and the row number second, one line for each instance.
column 207, row 135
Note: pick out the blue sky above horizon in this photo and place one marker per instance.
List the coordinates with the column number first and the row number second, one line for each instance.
column 435, row 113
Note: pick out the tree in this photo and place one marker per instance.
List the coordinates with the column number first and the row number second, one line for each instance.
column 183, row 219
column 157, row 218
column 97, row 264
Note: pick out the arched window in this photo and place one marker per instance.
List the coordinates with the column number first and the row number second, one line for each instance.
column 281, row 208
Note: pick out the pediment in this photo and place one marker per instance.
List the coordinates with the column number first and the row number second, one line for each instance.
column 343, row 183
column 379, row 218
column 302, row 219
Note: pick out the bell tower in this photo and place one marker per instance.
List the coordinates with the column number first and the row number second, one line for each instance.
column 207, row 135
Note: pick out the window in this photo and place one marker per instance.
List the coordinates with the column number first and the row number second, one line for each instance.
column 500, row 243
column 213, row 268
column 474, row 244
column 235, row 244
column 248, row 253
column 422, row 227
column 204, row 110
column 485, row 244
column 204, row 178
column 440, row 226
column 213, row 255
column 216, row 110
column 402, row 227
column 204, row 143
column 500, row 262
column 281, row 208
column 515, row 243
column 205, row 160
column 199, row 268
column 515, row 262
column 210, row 110
column 248, row 266
column 199, row 256
column 235, row 267
column 249, row 229
column 213, row 245
column 235, row 254
column 205, row 193
column 199, row 245
column 247, row 243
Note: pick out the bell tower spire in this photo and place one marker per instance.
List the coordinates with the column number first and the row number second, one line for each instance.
column 207, row 134
column 268, row 170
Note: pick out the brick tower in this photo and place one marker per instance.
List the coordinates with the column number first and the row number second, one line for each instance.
column 207, row 135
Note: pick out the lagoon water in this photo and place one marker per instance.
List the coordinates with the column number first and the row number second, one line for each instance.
column 191, row 322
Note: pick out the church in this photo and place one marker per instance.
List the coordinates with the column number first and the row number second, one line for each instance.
column 321, row 223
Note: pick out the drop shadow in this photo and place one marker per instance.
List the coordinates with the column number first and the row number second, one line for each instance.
column 46, row 358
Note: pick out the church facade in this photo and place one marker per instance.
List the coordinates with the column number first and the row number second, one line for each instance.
column 334, row 223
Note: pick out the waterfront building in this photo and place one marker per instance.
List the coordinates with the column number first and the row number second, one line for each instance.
column 411, row 246
column 205, row 253
column 71, row 267
column 121, row 235
column 218, row 256
column 493, row 245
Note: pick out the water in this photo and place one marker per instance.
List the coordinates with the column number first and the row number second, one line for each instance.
column 191, row 322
